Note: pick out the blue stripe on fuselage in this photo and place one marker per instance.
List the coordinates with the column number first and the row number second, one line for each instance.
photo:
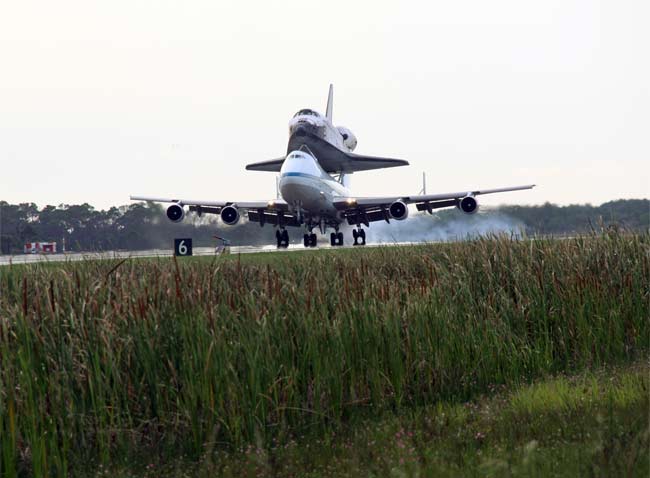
column 304, row 175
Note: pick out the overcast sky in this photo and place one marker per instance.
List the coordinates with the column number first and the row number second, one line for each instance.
column 100, row 100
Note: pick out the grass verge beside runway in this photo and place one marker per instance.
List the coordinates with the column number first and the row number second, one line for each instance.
column 165, row 362
column 592, row 424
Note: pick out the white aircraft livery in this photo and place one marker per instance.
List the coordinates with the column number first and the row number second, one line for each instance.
column 312, row 187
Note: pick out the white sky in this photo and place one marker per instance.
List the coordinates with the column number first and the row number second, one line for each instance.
column 99, row 100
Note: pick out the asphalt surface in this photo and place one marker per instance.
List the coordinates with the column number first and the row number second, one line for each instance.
column 197, row 251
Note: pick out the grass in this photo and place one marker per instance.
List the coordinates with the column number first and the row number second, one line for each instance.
column 594, row 423
column 163, row 361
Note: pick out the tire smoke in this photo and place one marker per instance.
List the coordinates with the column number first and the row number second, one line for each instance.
column 444, row 226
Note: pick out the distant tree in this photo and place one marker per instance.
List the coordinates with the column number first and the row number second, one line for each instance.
column 144, row 225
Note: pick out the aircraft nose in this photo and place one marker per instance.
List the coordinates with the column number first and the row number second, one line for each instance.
column 302, row 128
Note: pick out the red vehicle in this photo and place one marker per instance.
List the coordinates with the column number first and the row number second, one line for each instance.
column 40, row 247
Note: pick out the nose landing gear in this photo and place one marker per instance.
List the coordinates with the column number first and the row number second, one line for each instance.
column 282, row 237
column 359, row 236
column 336, row 239
column 309, row 240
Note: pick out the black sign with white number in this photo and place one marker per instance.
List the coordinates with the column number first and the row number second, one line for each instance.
column 182, row 247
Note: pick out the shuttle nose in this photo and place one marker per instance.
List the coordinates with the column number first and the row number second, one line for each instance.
column 302, row 127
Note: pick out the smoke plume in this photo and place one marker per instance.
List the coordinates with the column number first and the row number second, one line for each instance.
column 443, row 226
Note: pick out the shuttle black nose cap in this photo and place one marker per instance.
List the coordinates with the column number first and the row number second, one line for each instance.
column 301, row 131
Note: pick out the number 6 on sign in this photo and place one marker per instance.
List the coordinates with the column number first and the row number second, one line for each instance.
column 182, row 247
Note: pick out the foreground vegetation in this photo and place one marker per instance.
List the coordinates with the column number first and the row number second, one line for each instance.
column 159, row 362
column 593, row 424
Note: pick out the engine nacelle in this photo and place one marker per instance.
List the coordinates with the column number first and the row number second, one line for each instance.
column 349, row 139
column 230, row 215
column 175, row 213
column 398, row 211
column 469, row 205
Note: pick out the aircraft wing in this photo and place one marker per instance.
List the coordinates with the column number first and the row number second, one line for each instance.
column 275, row 203
column 368, row 209
column 272, row 165
column 273, row 211
column 346, row 162
column 358, row 162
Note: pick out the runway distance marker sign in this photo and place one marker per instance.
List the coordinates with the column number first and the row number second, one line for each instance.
column 183, row 247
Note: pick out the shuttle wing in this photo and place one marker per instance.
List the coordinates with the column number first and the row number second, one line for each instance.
column 358, row 162
column 345, row 162
column 272, row 165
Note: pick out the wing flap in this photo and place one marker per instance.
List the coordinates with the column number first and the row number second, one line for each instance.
column 273, row 217
column 205, row 210
column 364, row 203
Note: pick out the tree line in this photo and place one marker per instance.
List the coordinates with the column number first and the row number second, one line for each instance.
column 142, row 226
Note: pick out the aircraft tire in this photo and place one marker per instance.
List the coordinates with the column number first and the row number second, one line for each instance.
column 339, row 236
column 333, row 238
column 313, row 240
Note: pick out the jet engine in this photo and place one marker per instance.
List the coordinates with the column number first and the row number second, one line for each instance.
column 398, row 211
column 468, row 205
column 230, row 215
column 175, row 213
column 349, row 139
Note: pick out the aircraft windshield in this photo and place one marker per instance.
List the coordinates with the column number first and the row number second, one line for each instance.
column 306, row 112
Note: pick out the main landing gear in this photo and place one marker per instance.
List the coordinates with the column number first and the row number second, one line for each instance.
column 359, row 237
column 282, row 236
column 309, row 240
column 336, row 239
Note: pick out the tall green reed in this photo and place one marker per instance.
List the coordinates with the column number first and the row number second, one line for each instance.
column 108, row 359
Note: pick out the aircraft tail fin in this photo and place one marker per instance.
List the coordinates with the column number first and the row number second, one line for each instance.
column 330, row 103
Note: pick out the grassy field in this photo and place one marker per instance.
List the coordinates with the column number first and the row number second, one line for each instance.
column 593, row 424
column 480, row 357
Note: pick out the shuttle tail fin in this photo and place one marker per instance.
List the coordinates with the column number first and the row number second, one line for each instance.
column 330, row 103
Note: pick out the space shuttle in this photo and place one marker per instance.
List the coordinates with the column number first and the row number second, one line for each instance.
column 331, row 145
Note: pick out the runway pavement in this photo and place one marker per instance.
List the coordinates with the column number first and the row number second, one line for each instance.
column 198, row 251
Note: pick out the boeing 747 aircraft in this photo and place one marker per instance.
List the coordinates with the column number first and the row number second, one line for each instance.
column 312, row 185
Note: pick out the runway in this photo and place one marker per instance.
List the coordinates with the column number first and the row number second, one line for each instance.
column 198, row 251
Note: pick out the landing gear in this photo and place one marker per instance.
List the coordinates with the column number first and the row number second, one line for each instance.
column 336, row 239
column 309, row 240
column 359, row 236
column 282, row 237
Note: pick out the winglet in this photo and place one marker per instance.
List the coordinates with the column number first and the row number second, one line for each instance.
column 330, row 103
